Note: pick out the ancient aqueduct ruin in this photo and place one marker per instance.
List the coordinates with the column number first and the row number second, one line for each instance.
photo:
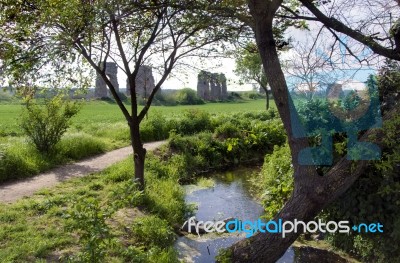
column 210, row 86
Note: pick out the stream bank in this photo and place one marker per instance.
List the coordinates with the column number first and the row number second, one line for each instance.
column 230, row 197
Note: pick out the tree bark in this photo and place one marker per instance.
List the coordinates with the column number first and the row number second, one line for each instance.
column 269, row 248
column 266, row 97
column 311, row 191
column 139, row 155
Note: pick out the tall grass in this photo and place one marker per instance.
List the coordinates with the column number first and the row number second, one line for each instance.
column 20, row 159
column 57, row 224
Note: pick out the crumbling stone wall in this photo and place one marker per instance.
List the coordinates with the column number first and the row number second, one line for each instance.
column 145, row 82
column 101, row 89
column 211, row 86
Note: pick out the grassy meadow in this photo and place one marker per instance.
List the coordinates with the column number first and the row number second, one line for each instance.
column 108, row 113
column 100, row 127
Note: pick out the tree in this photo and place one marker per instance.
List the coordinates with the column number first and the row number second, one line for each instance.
column 311, row 192
column 249, row 67
column 58, row 35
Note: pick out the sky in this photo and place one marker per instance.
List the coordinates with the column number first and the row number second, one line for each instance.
column 185, row 76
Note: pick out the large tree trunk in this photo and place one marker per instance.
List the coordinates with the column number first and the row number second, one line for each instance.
column 269, row 248
column 302, row 205
column 311, row 191
column 139, row 155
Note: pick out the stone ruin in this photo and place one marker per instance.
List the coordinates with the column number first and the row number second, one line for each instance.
column 101, row 90
column 211, row 86
column 144, row 82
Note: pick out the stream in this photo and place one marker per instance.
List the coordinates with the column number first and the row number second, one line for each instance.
column 230, row 197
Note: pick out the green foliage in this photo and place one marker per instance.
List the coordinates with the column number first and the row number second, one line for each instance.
column 188, row 96
column 277, row 180
column 45, row 125
column 238, row 139
column 165, row 197
column 374, row 197
column 315, row 123
column 79, row 218
column 151, row 231
column 388, row 83
column 99, row 127
column 155, row 128
column 20, row 160
column 89, row 220
column 224, row 256
column 249, row 65
column 194, row 121
column 77, row 146
column 126, row 194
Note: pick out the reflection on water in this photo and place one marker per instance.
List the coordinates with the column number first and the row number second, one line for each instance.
column 230, row 197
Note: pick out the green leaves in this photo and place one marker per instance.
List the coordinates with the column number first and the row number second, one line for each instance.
column 89, row 219
column 249, row 65
column 277, row 180
column 45, row 124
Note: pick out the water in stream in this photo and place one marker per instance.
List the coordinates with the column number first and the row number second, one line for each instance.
column 230, row 197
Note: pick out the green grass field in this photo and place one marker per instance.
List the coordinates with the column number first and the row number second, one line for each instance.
column 104, row 112
column 98, row 127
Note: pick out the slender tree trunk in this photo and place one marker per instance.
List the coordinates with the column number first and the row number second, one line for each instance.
column 266, row 97
column 139, row 155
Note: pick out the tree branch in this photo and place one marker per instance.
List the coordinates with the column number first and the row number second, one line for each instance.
column 338, row 26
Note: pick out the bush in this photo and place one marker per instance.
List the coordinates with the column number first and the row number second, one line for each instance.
column 154, row 128
column 277, row 180
column 188, row 96
column 88, row 218
column 373, row 198
column 227, row 130
column 194, row 121
column 46, row 124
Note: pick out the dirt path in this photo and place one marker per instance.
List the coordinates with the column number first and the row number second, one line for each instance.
column 13, row 191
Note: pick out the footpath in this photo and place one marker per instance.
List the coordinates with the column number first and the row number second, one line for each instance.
column 13, row 191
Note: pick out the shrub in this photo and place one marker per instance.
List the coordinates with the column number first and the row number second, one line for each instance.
column 194, row 121
column 188, row 96
column 277, row 180
column 227, row 130
column 154, row 128
column 46, row 124
column 89, row 219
